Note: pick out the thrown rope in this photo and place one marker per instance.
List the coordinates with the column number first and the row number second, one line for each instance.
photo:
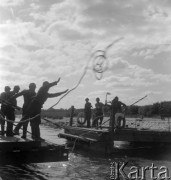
column 100, row 64
column 100, row 60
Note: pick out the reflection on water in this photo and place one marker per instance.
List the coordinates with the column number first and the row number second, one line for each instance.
column 78, row 167
column 82, row 165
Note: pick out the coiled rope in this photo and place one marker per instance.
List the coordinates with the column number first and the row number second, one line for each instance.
column 100, row 65
column 100, row 60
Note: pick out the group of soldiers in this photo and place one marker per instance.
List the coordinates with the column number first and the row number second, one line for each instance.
column 33, row 102
column 115, row 106
column 31, row 110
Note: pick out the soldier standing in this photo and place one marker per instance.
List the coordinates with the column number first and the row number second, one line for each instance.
column 28, row 96
column 87, row 112
column 99, row 112
column 4, row 107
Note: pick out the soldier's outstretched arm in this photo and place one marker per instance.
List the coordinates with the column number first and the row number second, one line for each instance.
column 53, row 83
column 56, row 94
column 18, row 94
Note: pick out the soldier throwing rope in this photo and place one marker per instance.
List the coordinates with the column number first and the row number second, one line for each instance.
column 35, row 106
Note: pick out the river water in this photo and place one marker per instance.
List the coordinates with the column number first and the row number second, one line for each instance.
column 83, row 165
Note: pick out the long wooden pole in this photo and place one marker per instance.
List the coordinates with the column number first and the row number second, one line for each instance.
column 130, row 105
column 139, row 100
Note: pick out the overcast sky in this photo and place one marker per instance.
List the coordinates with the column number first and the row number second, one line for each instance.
column 47, row 39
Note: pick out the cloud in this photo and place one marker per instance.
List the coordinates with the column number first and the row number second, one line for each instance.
column 6, row 3
column 96, row 93
column 43, row 40
column 127, row 77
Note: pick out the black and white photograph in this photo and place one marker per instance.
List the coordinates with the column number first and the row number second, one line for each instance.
column 85, row 89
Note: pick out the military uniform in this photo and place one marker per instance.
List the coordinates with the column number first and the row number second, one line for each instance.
column 87, row 113
column 28, row 96
column 5, row 110
column 34, row 109
column 98, row 113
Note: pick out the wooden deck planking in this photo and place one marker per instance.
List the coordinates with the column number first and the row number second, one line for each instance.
column 15, row 150
column 126, row 134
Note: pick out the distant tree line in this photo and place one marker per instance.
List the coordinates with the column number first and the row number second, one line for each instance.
column 162, row 109
column 59, row 113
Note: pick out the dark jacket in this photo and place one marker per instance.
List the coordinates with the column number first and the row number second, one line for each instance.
column 27, row 95
column 87, row 108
